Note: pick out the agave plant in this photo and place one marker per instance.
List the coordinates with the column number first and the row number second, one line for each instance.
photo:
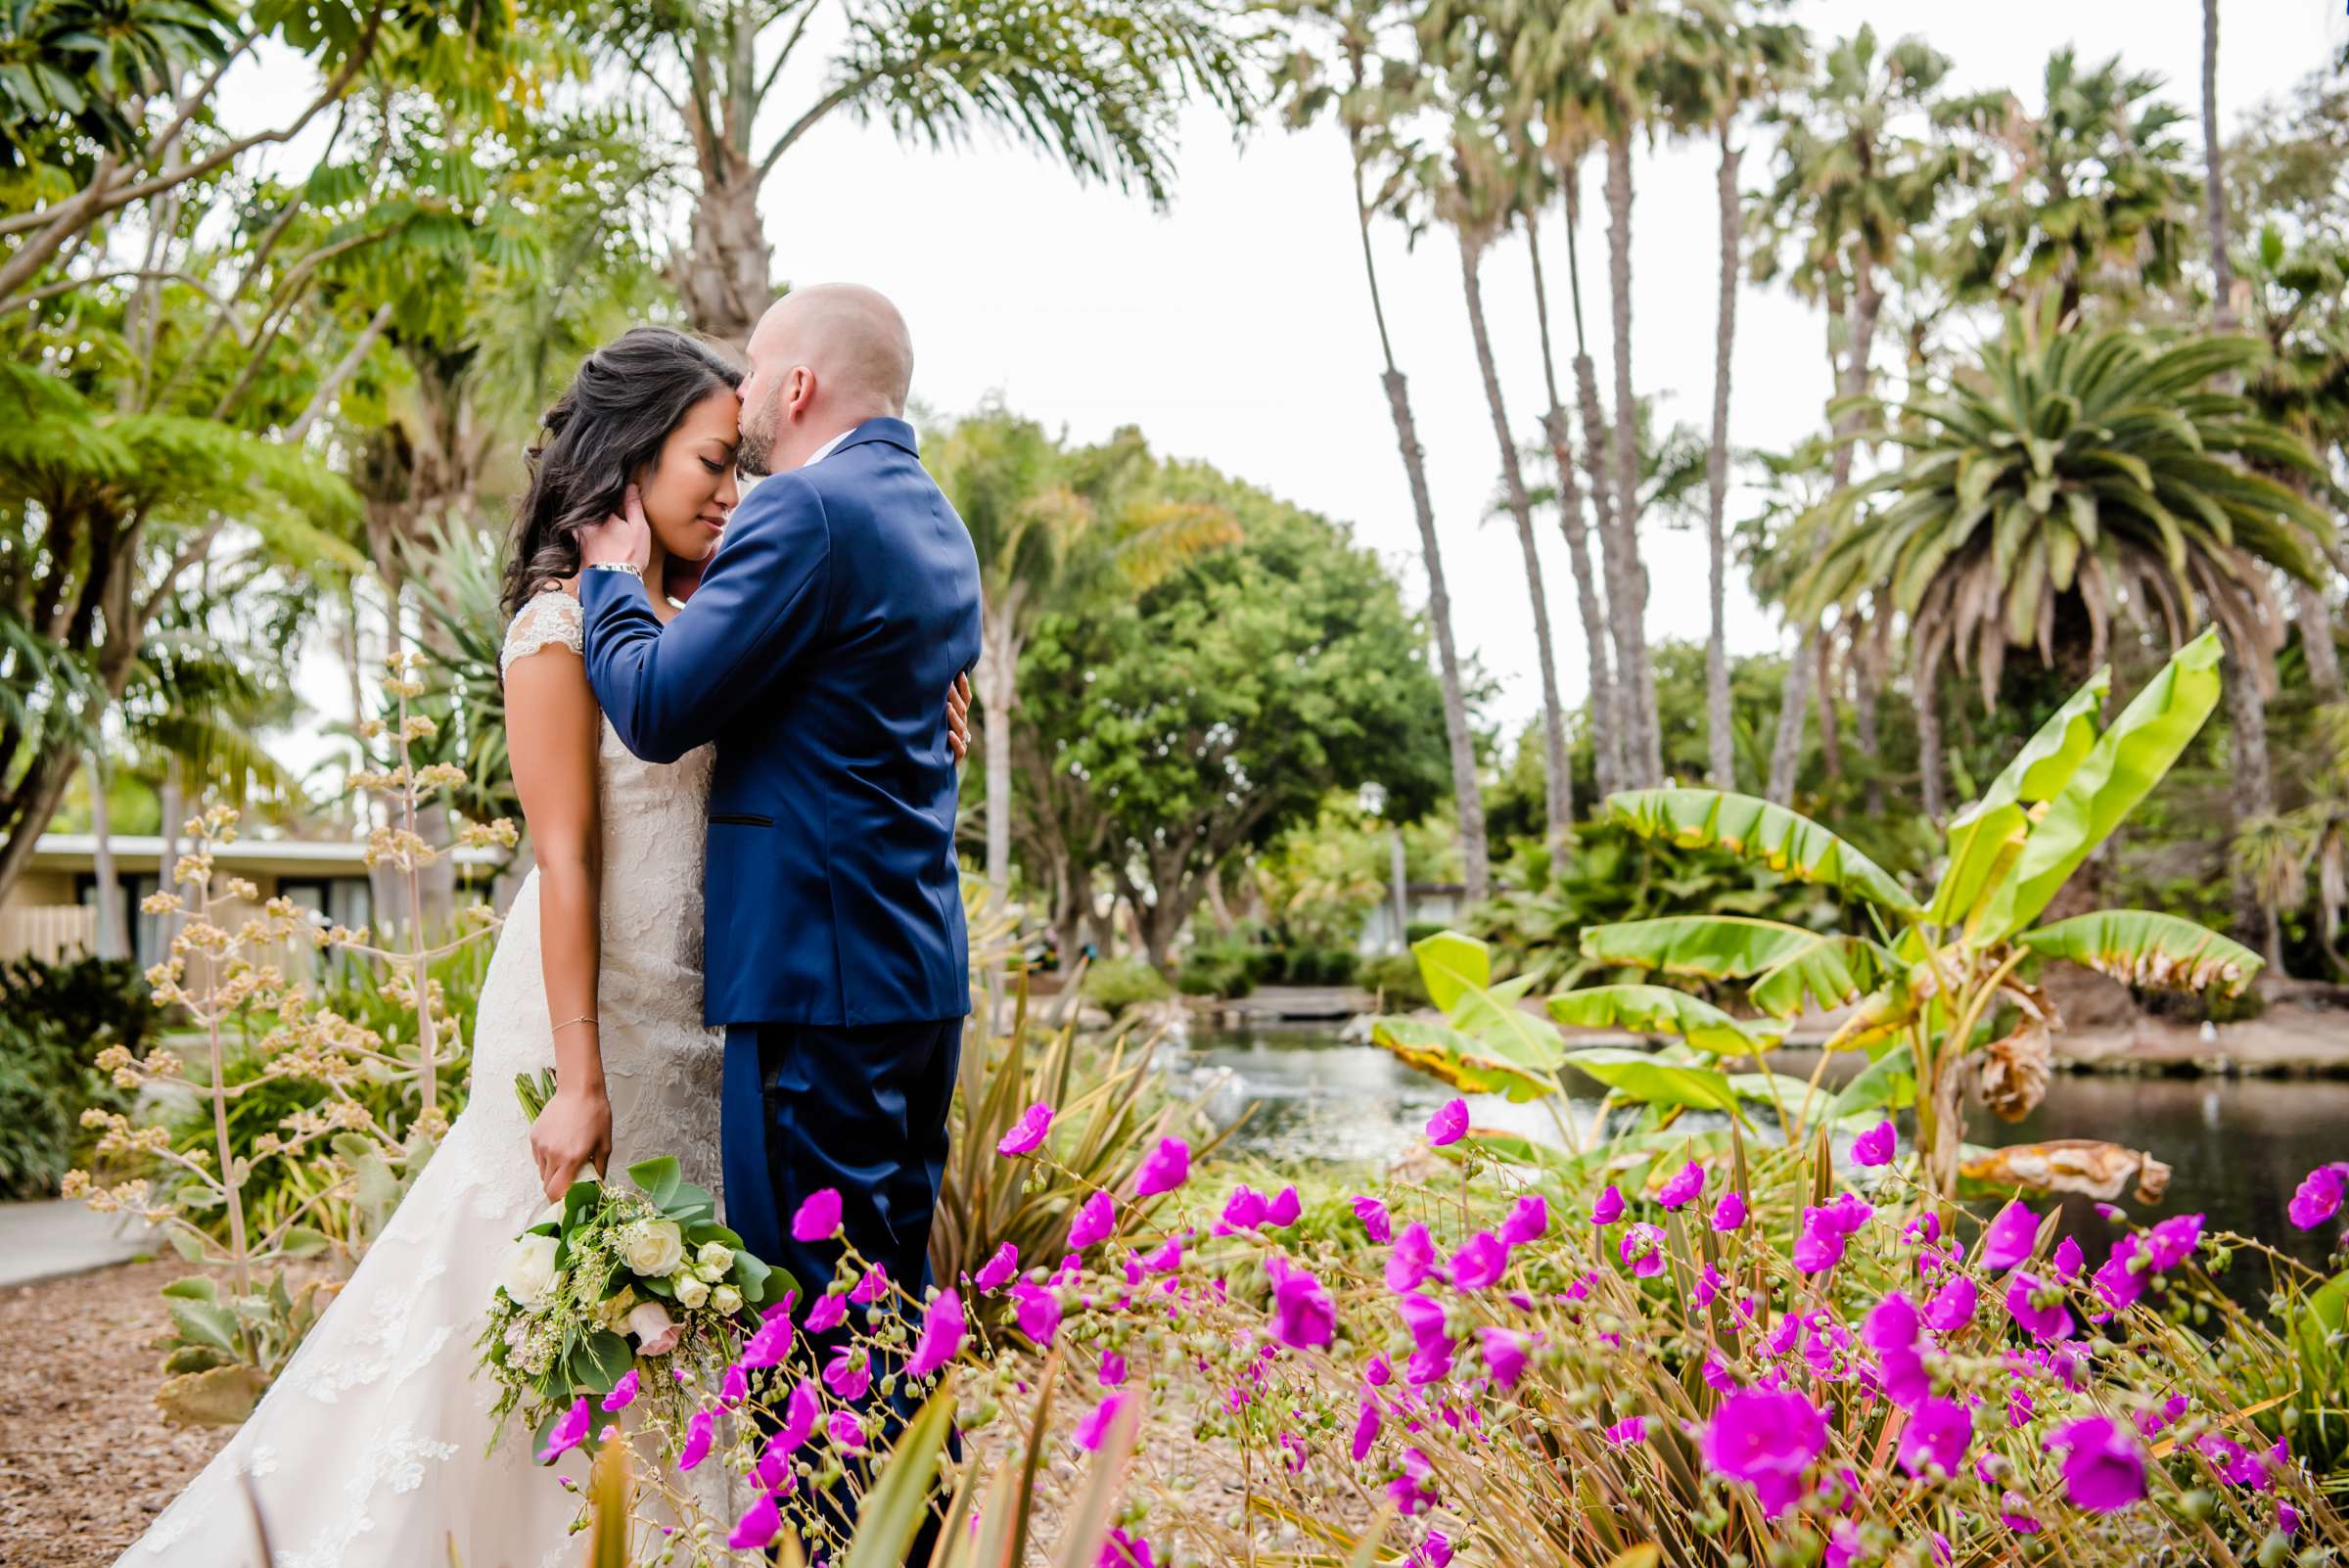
column 1940, row 988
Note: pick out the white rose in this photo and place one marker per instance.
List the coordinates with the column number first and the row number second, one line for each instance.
column 657, row 1247
column 691, row 1290
column 529, row 1270
column 726, row 1298
column 712, row 1260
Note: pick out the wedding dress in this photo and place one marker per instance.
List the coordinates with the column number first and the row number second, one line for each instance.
column 372, row 1449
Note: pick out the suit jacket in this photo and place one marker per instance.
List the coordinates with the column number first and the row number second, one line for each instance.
column 816, row 653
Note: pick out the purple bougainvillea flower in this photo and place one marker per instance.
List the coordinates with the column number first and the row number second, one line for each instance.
column 1433, row 1553
column 1303, row 1317
column 2009, row 1238
column 800, row 1414
column 1504, row 1351
column 818, row 1217
column 2317, row 1198
column 2067, row 1259
column 872, row 1287
column 997, row 1271
column 2038, row 1309
column 1377, row 1372
column 1683, row 1186
column 1626, row 1432
column 1481, row 1261
column 2121, row 1278
column 1642, row 1248
column 1038, row 1311
column 1527, row 1219
column 2104, row 1468
column 2172, row 1241
column 1113, row 1369
column 1938, row 1433
column 2010, row 1514
column 624, row 1391
column 1373, row 1216
column 1162, row 1259
column 849, row 1373
column 1449, row 1123
column 1244, row 1210
column 568, row 1433
column 1164, row 1169
column 1729, row 1212
column 1366, row 1430
column 846, row 1431
column 1282, row 1209
column 772, row 1341
column 1027, row 1135
column 2287, row 1518
column 1875, row 1146
column 698, row 1433
column 760, row 1524
column 828, row 1312
column 734, row 1387
column 1818, row 1247
column 1413, row 1259
column 1609, row 1207
column 1095, row 1220
column 940, row 1337
column 1094, row 1430
column 1766, row 1438
column 1423, row 1315
column 1891, row 1324
column 1951, row 1306
column 1121, row 1550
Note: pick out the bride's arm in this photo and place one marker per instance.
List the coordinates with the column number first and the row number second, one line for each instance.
column 552, row 727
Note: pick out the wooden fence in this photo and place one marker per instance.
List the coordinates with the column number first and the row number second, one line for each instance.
column 49, row 932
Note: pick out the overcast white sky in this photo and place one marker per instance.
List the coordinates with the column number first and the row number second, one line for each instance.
column 1235, row 327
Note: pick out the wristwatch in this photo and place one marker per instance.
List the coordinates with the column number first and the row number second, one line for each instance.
column 617, row 566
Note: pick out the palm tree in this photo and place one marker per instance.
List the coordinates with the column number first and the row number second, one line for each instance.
column 2074, row 474
column 1051, row 525
column 1363, row 108
column 1856, row 180
column 2214, row 185
column 1471, row 191
column 1096, row 83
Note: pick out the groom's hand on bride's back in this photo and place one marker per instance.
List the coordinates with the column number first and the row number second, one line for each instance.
column 624, row 539
column 958, row 717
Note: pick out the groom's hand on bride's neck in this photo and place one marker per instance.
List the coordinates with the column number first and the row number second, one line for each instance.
column 624, row 539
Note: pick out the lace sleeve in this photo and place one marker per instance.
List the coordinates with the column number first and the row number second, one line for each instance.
column 551, row 619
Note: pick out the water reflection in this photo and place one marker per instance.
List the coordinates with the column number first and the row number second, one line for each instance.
column 2237, row 1146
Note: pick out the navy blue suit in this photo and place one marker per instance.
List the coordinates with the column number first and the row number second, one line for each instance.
column 817, row 652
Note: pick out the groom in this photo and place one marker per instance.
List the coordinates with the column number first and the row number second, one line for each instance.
column 844, row 598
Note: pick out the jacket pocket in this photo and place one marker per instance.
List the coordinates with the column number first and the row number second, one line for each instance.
column 740, row 819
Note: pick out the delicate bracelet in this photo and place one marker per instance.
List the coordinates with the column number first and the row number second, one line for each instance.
column 583, row 1018
column 616, row 566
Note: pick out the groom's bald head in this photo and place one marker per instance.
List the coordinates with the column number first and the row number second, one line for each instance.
column 824, row 359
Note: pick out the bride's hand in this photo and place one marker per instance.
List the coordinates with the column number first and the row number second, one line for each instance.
column 574, row 1130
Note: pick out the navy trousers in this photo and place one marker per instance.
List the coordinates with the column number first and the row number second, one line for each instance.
column 862, row 1110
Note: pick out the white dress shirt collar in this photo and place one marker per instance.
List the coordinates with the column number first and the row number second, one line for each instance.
column 829, row 447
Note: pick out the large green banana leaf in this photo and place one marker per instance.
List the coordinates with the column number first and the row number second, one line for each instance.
column 1990, row 829
column 1661, row 1010
column 1469, row 1062
column 1888, row 1083
column 1793, row 969
column 1754, row 829
column 1450, row 963
column 2119, row 771
column 2157, row 952
column 1638, row 1075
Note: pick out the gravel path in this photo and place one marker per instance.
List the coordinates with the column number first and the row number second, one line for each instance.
column 87, row 1456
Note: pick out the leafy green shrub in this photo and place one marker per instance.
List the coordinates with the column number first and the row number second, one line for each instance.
column 1222, row 968
column 1396, row 978
column 1117, row 983
column 1420, row 930
column 54, row 1020
column 1321, row 966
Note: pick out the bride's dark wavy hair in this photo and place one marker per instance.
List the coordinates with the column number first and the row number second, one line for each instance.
column 610, row 422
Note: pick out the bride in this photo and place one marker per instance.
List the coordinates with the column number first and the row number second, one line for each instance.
column 372, row 1449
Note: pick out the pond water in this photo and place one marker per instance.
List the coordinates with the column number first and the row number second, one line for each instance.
column 2236, row 1146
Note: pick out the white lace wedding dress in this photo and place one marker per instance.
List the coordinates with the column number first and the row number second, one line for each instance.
column 372, row 1449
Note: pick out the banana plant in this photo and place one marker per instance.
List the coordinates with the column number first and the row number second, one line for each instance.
column 1941, row 985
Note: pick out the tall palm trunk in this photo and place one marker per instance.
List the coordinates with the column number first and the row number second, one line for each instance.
column 2312, row 612
column 1558, row 791
column 2251, row 792
column 1467, row 791
column 1867, row 666
column 1615, row 758
column 1627, row 577
column 1794, row 700
column 996, row 683
column 113, row 937
column 1606, row 711
column 1719, row 751
column 2214, row 188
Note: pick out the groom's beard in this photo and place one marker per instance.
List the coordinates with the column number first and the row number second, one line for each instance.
column 755, row 448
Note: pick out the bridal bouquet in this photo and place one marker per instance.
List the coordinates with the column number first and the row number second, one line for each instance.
column 609, row 1277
